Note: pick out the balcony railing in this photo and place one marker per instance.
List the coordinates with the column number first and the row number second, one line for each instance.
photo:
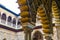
column 3, row 21
column 9, row 24
column 18, row 26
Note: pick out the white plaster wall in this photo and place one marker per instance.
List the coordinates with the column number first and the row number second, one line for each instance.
column 9, row 35
column 21, row 36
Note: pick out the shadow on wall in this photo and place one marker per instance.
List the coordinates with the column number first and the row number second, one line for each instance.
column 4, row 39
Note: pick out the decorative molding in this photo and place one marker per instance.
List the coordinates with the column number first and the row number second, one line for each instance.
column 17, row 30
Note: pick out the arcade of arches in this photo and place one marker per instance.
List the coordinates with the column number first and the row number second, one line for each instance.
column 9, row 19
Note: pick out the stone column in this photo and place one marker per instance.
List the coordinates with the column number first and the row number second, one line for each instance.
column 27, row 32
column 26, row 36
column 30, row 35
column 47, row 5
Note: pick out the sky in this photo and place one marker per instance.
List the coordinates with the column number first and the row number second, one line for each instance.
column 11, row 5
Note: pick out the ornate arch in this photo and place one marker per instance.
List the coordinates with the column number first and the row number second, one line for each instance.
column 14, row 21
column 18, row 22
column 37, row 36
column 3, row 16
column 9, row 18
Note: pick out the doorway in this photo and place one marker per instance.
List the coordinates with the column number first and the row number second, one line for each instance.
column 37, row 36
